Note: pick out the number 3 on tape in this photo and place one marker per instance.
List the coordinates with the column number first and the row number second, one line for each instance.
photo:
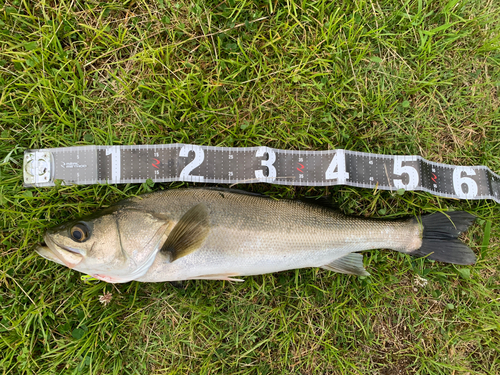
column 271, row 174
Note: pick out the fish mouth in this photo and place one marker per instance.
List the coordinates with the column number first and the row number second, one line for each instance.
column 58, row 253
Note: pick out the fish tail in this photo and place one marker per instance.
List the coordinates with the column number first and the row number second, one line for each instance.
column 440, row 237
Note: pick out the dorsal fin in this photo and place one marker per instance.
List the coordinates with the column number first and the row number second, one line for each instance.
column 234, row 191
column 324, row 201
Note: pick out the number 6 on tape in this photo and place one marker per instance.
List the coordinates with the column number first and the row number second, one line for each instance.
column 459, row 181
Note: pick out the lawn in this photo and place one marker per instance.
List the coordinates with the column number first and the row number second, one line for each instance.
column 393, row 77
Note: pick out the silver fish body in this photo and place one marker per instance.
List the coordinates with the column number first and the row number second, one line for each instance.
column 220, row 234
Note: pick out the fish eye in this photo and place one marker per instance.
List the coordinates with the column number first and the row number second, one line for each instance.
column 79, row 232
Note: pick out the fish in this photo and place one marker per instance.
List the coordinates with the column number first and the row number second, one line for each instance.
column 224, row 234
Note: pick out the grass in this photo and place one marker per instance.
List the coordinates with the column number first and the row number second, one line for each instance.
column 395, row 77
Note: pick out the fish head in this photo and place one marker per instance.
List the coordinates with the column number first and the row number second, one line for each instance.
column 116, row 245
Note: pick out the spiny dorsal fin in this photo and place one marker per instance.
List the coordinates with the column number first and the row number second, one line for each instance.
column 234, row 191
column 189, row 233
column 325, row 202
column 351, row 264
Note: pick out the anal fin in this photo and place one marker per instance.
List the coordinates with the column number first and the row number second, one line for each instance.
column 351, row 264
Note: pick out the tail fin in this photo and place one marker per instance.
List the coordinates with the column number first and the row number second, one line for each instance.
column 440, row 238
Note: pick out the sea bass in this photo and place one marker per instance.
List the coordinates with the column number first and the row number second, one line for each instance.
column 221, row 234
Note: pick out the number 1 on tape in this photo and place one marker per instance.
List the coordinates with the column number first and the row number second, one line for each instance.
column 114, row 151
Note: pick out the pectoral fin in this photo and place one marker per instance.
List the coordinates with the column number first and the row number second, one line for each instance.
column 188, row 234
column 351, row 264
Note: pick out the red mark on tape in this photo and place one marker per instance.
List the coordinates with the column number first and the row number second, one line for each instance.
column 301, row 169
column 434, row 177
column 156, row 164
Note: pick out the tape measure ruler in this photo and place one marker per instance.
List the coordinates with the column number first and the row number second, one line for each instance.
column 86, row 165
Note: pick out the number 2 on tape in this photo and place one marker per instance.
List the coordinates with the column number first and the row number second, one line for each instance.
column 199, row 156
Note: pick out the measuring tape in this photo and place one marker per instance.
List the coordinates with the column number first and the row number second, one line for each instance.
column 86, row 165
